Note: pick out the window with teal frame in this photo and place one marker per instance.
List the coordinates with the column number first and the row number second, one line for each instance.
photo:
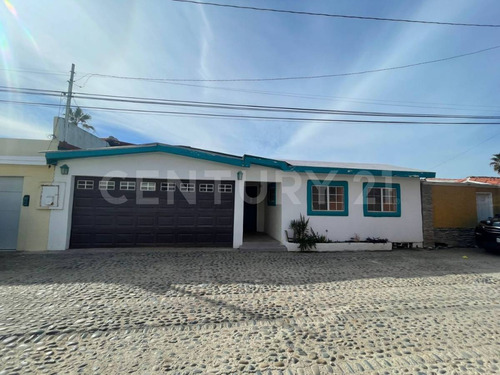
column 271, row 194
column 381, row 200
column 327, row 198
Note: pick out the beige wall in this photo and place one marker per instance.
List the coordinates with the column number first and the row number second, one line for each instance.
column 25, row 147
column 33, row 222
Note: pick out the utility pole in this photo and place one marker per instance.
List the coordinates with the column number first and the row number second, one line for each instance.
column 68, row 98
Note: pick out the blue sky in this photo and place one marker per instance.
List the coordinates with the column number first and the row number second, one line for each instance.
column 166, row 39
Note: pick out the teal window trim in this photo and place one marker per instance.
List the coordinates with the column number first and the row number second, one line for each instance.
column 311, row 212
column 271, row 194
column 367, row 186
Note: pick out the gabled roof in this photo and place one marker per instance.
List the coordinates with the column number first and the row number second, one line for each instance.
column 244, row 161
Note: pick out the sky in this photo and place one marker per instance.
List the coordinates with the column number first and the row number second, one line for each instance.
column 39, row 40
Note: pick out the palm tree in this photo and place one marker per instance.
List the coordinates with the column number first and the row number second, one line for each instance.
column 495, row 163
column 78, row 117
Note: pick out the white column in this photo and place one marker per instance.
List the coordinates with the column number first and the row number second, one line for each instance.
column 238, row 213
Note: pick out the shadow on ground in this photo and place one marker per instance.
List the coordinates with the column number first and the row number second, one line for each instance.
column 156, row 269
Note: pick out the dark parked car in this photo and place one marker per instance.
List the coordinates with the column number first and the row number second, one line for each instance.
column 488, row 233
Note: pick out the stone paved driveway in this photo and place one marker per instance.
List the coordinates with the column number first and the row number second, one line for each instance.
column 189, row 311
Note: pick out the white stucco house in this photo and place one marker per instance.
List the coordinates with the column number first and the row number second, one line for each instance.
column 163, row 195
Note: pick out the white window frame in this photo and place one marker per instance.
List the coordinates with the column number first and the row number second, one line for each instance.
column 85, row 185
column 187, row 187
column 167, row 186
column 327, row 198
column 206, row 188
column 225, row 188
column 127, row 185
column 107, row 185
column 382, row 197
column 148, row 186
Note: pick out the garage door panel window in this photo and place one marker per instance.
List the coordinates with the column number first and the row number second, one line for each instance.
column 225, row 188
column 206, row 188
column 106, row 185
column 327, row 198
column 382, row 199
column 167, row 186
column 127, row 185
column 148, row 186
column 187, row 187
column 85, row 185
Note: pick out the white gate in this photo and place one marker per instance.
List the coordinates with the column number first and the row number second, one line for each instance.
column 484, row 205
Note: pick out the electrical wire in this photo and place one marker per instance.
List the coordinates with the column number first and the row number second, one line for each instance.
column 44, row 72
column 466, row 151
column 347, row 99
column 337, row 15
column 166, row 80
column 266, row 118
column 240, row 107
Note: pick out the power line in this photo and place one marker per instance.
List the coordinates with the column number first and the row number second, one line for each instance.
column 466, row 151
column 168, row 80
column 315, row 97
column 265, row 118
column 348, row 99
column 236, row 106
column 44, row 72
column 338, row 15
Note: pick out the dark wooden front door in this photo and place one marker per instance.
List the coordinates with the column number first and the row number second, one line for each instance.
column 250, row 210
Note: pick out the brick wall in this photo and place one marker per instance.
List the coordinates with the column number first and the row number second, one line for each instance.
column 427, row 215
column 455, row 237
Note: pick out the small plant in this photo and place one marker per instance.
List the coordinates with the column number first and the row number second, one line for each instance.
column 376, row 240
column 302, row 235
column 320, row 238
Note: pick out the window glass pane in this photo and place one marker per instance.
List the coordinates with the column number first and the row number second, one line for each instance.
column 374, row 199
column 167, row 186
column 206, row 188
column 187, row 187
column 106, row 185
column 148, row 186
column 127, row 185
column 390, row 200
column 85, row 185
column 225, row 188
column 336, row 195
column 319, row 202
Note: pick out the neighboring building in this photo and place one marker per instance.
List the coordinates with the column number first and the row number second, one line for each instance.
column 451, row 208
column 26, row 192
column 24, row 224
column 162, row 195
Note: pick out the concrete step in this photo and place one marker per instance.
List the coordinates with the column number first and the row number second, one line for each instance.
column 262, row 246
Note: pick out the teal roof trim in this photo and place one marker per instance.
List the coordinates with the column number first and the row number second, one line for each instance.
column 54, row 156
column 246, row 161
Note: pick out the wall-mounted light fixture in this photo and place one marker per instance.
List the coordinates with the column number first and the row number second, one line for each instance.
column 64, row 169
column 239, row 175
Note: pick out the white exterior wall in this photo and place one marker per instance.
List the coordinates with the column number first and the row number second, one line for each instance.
column 291, row 197
column 273, row 223
column 154, row 165
column 407, row 228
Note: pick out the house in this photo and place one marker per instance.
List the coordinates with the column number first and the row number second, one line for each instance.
column 24, row 225
column 162, row 195
column 26, row 192
column 451, row 208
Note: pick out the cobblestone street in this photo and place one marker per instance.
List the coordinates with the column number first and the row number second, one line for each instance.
column 225, row 312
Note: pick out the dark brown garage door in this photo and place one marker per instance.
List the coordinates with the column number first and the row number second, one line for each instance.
column 151, row 212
